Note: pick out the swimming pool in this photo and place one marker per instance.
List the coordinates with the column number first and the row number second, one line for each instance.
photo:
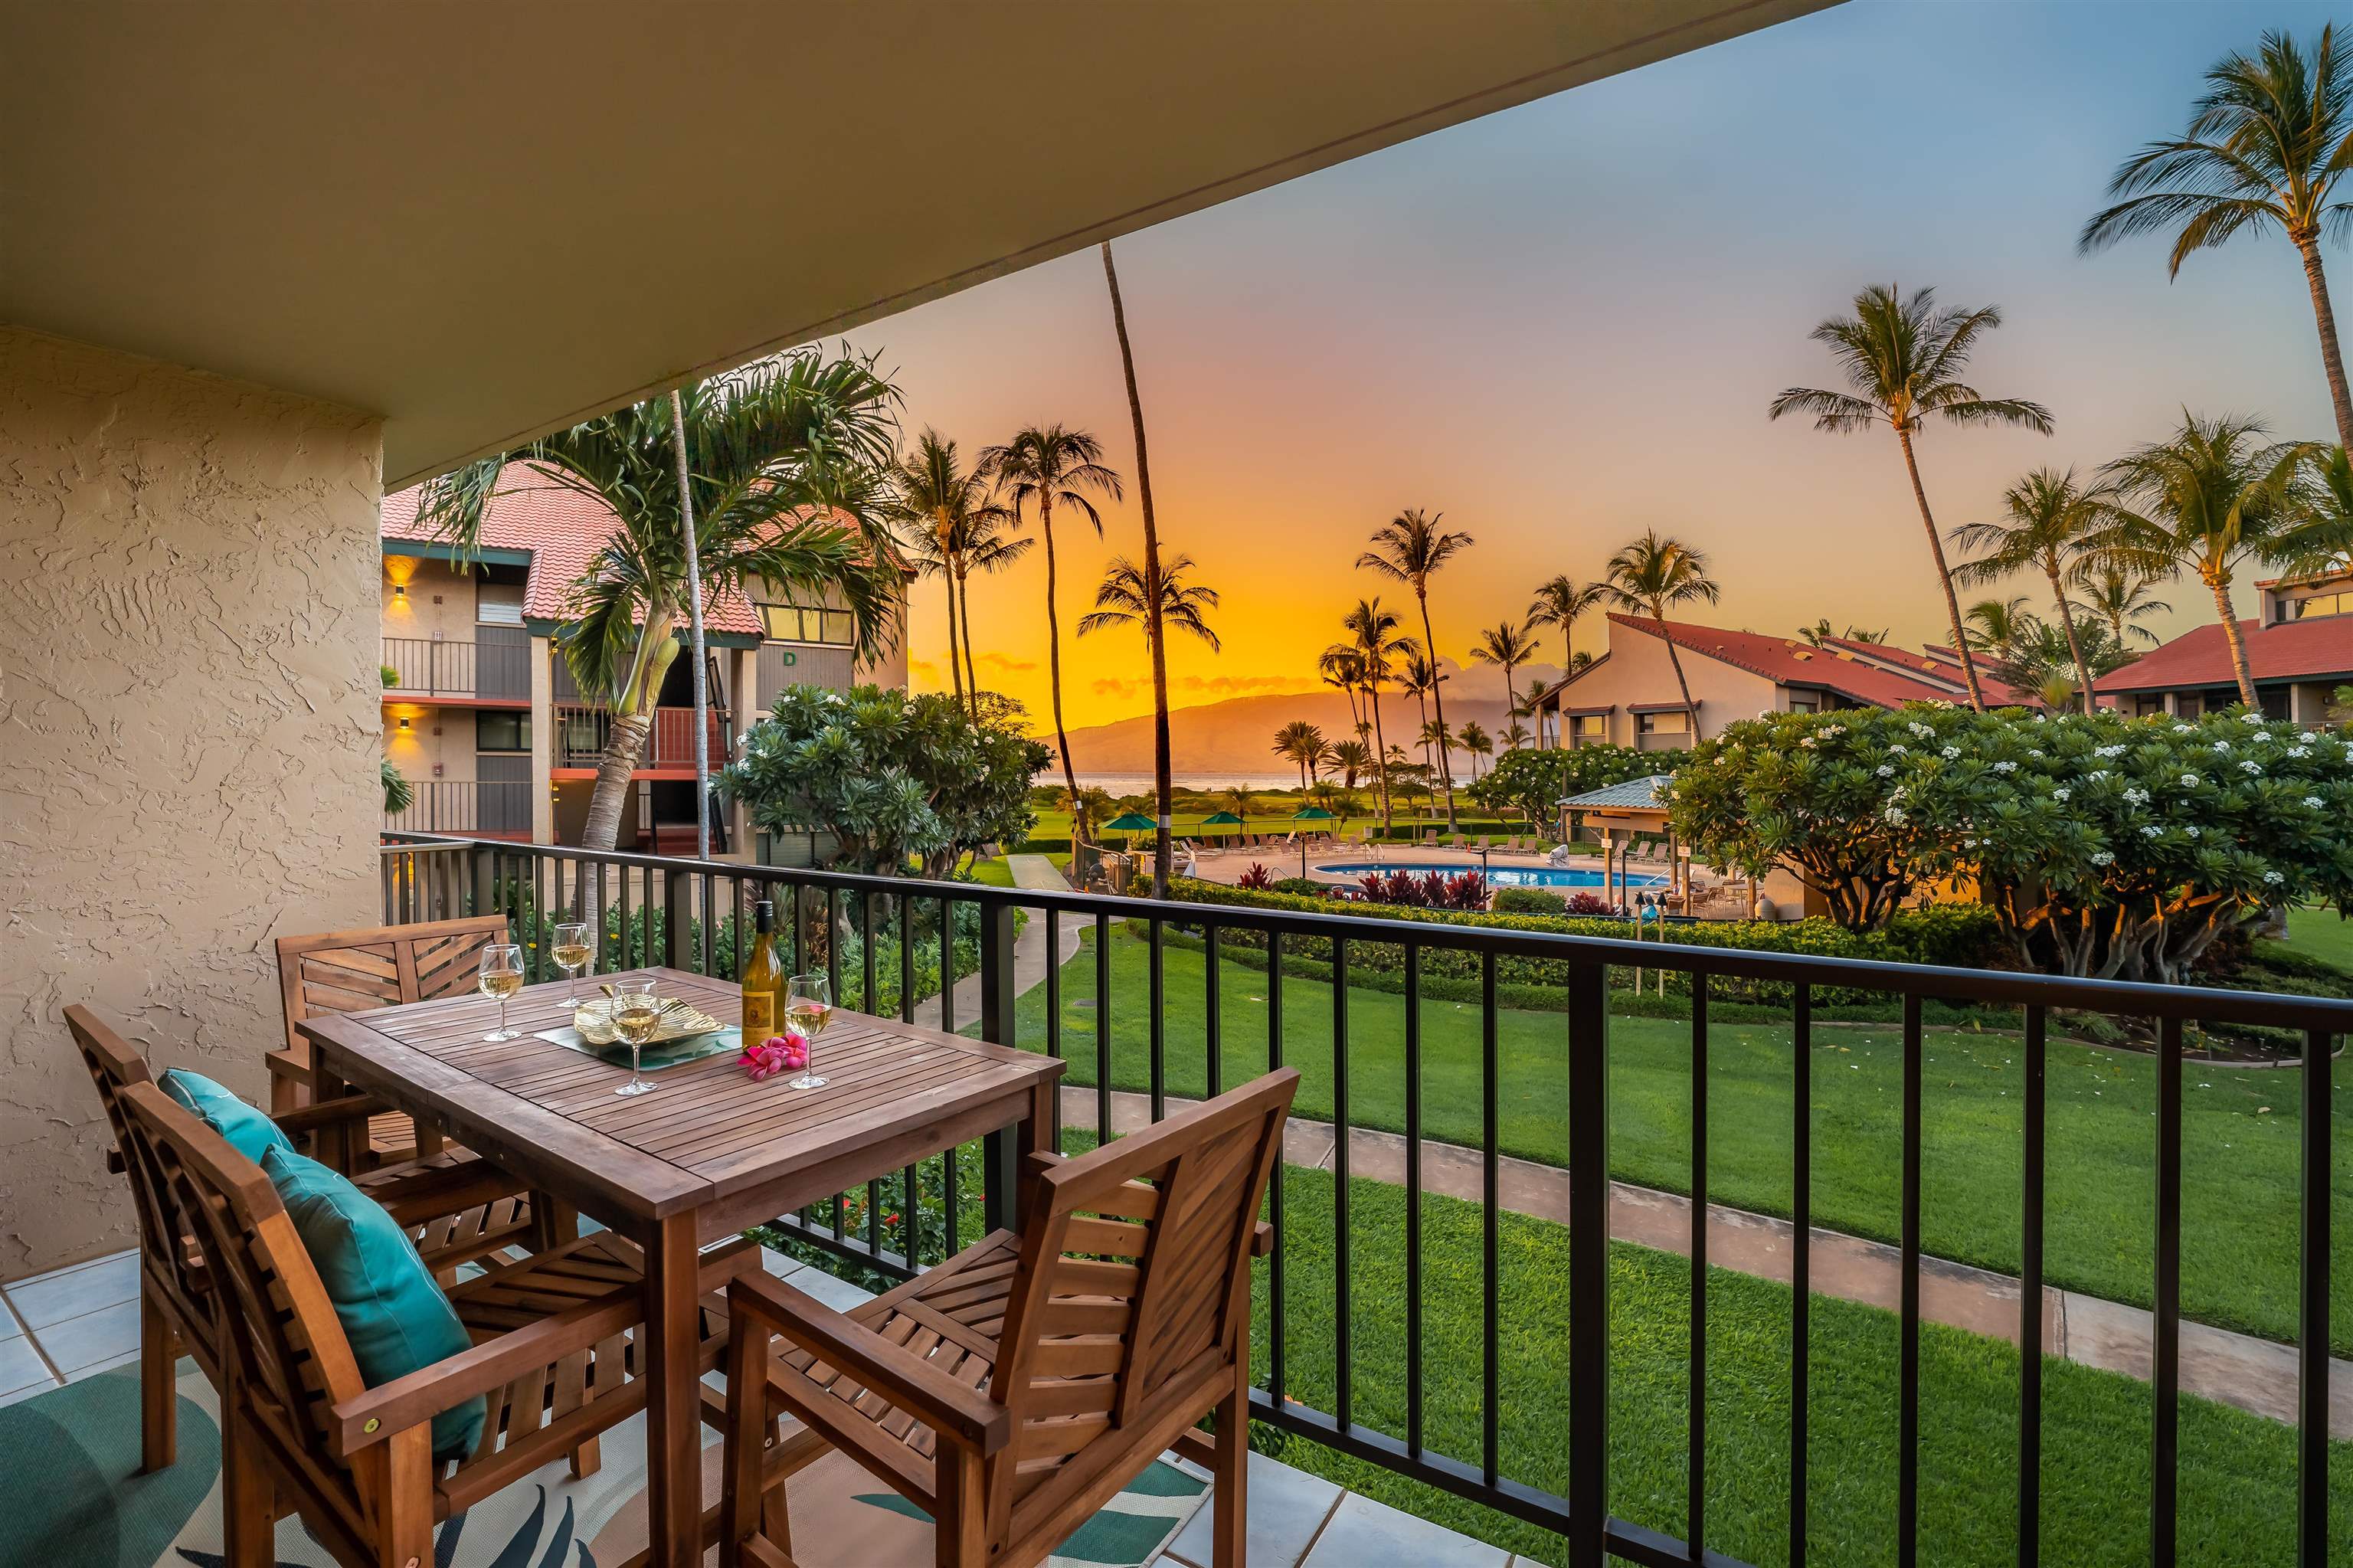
column 1502, row 875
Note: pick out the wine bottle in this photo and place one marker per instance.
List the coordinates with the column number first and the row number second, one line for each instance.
column 764, row 977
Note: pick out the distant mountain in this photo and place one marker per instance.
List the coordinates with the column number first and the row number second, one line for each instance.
column 1237, row 734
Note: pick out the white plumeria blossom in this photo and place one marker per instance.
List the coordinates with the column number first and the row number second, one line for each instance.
column 2137, row 797
column 2109, row 751
column 2005, row 768
column 2223, row 747
column 2031, row 753
column 2191, row 781
column 1893, row 814
column 2250, row 718
column 2251, row 766
column 1921, row 730
column 2193, row 832
column 2300, row 752
column 2060, row 795
column 2151, row 832
column 2098, row 773
column 2274, row 878
column 2102, row 857
column 1899, row 749
column 1952, row 751
column 2314, row 801
column 1807, row 742
column 1884, row 770
column 2182, row 730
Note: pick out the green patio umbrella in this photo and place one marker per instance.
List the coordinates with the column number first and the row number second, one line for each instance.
column 1308, row 815
column 1132, row 823
column 1221, row 819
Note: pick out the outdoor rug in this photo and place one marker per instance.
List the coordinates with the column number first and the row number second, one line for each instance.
column 76, row 1501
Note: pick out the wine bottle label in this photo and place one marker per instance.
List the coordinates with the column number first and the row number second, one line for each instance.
column 759, row 1015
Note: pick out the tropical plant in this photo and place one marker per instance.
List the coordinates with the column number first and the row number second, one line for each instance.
column 1515, row 736
column 391, row 676
column 1418, row 678
column 1534, row 783
column 1506, row 646
column 2266, row 145
column 1342, row 666
column 1373, row 631
column 1090, row 807
column 1256, row 879
column 2046, row 518
column 1301, row 742
column 1561, row 602
column 1437, row 741
column 784, row 450
column 1408, row 549
column 892, row 778
column 950, row 519
column 1236, row 800
column 2105, row 846
column 1653, row 573
column 2120, row 599
column 1046, row 467
column 1349, row 759
column 1819, row 632
column 2208, row 499
column 1465, row 890
column 399, row 794
column 1475, row 741
column 1121, row 600
column 2029, row 655
column 1903, row 359
column 1152, row 597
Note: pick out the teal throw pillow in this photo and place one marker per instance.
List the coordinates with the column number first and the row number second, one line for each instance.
column 245, row 1129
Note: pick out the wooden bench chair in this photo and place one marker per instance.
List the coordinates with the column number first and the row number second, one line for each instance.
column 554, row 1353
column 1013, row 1390
column 356, row 971
column 456, row 1208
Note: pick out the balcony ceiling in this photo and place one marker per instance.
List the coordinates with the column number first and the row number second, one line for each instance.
column 483, row 222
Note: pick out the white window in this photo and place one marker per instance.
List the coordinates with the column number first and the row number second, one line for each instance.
column 1673, row 722
column 804, row 623
column 498, row 604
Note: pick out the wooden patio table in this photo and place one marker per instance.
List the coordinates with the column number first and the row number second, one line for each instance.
column 706, row 1154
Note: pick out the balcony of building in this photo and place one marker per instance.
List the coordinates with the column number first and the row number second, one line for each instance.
column 492, row 668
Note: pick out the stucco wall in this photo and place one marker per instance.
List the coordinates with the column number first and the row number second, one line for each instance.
column 189, row 609
column 1638, row 672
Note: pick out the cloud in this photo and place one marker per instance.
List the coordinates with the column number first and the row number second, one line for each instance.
column 1113, row 686
column 927, row 669
column 1238, row 685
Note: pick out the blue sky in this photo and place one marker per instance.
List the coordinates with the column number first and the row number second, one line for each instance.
column 1561, row 325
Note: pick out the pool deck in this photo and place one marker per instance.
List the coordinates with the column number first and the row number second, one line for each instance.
column 1227, row 865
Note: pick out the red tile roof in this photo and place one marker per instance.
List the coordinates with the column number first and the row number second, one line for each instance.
column 1940, row 664
column 2318, row 649
column 1789, row 662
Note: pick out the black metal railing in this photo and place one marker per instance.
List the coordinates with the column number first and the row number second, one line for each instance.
column 463, row 806
column 428, row 878
column 490, row 667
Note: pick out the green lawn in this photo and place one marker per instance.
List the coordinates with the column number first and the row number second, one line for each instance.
column 2240, row 1126
column 2321, row 933
column 2237, row 1475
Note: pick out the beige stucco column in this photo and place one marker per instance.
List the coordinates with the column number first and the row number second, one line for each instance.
column 743, row 692
column 191, row 713
column 542, row 740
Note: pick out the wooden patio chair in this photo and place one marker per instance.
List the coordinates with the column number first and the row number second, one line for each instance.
column 553, row 1355
column 357, row 971
column 1014, row 1389
column 456, row 1208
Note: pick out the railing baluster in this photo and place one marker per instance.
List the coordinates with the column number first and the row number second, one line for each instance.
column 2030, row 1304
column 1695, row 1482
column 906, row 959
column 1213, row 1066
column 1907, row 1370
column 911, row 1210
column 1490, row 1229
column 1589, row 1264
column 947, row 969
column 598, row 950
column 706, row 946
column 2312, row 1312
column 954, row 1200
column 1801, row 1235
column 1413, row 1199
column 866, row 952
column 1103, row 1029
column 833, row 944
column 1157, row 992
column 1054, row 984
column 1275, row 1323
column 2164, row 1370
column 1343, row 1327
column 538, row 910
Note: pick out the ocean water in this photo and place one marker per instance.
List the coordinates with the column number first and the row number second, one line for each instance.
column 1141, row 783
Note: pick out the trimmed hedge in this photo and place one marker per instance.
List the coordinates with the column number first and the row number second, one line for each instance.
column 1964, row 935
column 1528, row 901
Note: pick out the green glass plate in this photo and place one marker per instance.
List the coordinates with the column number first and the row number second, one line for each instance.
column 664, row 1053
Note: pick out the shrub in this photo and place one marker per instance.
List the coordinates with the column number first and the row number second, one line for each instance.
column 1581, row 902
column 1257, row 878
column 1431, row 890
column 391, row 676
column 1533, row 782
column 1304, row 886
column 1532, row 901
column 2104, row 846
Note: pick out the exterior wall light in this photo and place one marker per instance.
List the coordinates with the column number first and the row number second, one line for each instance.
column 400, row 590
column 403, row 724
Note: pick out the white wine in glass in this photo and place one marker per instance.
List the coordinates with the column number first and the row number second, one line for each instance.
column 808, row 1007
column 572, row 955
column 637, row 1017
column 500, row 977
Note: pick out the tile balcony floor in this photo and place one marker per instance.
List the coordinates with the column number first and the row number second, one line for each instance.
column 64, row 1326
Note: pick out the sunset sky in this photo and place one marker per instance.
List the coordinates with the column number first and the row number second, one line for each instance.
column 1561, row 325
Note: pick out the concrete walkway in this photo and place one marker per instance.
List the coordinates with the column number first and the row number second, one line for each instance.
column 2239, row 1370
column 1038, row 874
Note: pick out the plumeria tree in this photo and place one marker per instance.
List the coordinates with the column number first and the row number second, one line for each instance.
column 2107, row 846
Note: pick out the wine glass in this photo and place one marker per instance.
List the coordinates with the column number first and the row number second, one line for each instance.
column 502, row 977
column 808, row 1007
column 637, row 1015
column 574, row 955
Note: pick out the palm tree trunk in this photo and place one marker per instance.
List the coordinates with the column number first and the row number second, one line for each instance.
column 1511, row 702
column 694, row 625
column 1163, row 790
column 1054, row 655
column 1437, row 697
column 625, row 747
column 2234, row 634
column 1943, row 575
column 955, row 665
column 1381, row 763
column 2331, row 359
column 971, row 675
column 2075, row 643
column 1691, row 709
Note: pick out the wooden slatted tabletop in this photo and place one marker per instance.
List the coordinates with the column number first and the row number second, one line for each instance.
column 704, row 1155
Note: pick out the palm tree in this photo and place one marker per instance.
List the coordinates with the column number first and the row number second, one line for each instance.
column 948, row 512
column 1152, row 595
column 1418, row 678
column 1857, row 634
column 2045, row 519
column 1340, row 665
column 1120, row 601
column 1475, row 741
column 1903, row 359
column 1653, row 573
column 1300, row 742
column 776, row 445
column 1378, row 644
column 1819, row 632
column 988, row 551
column 1349, row 759
column 2120, row 599
column 2266, row 145
column 1048, row 466
column 1507, row 647
column 1408, row 548
column 2208, row 498
column 1236, row 800
column 1561, row 602
column 1516, row 735
column 1435, row 738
